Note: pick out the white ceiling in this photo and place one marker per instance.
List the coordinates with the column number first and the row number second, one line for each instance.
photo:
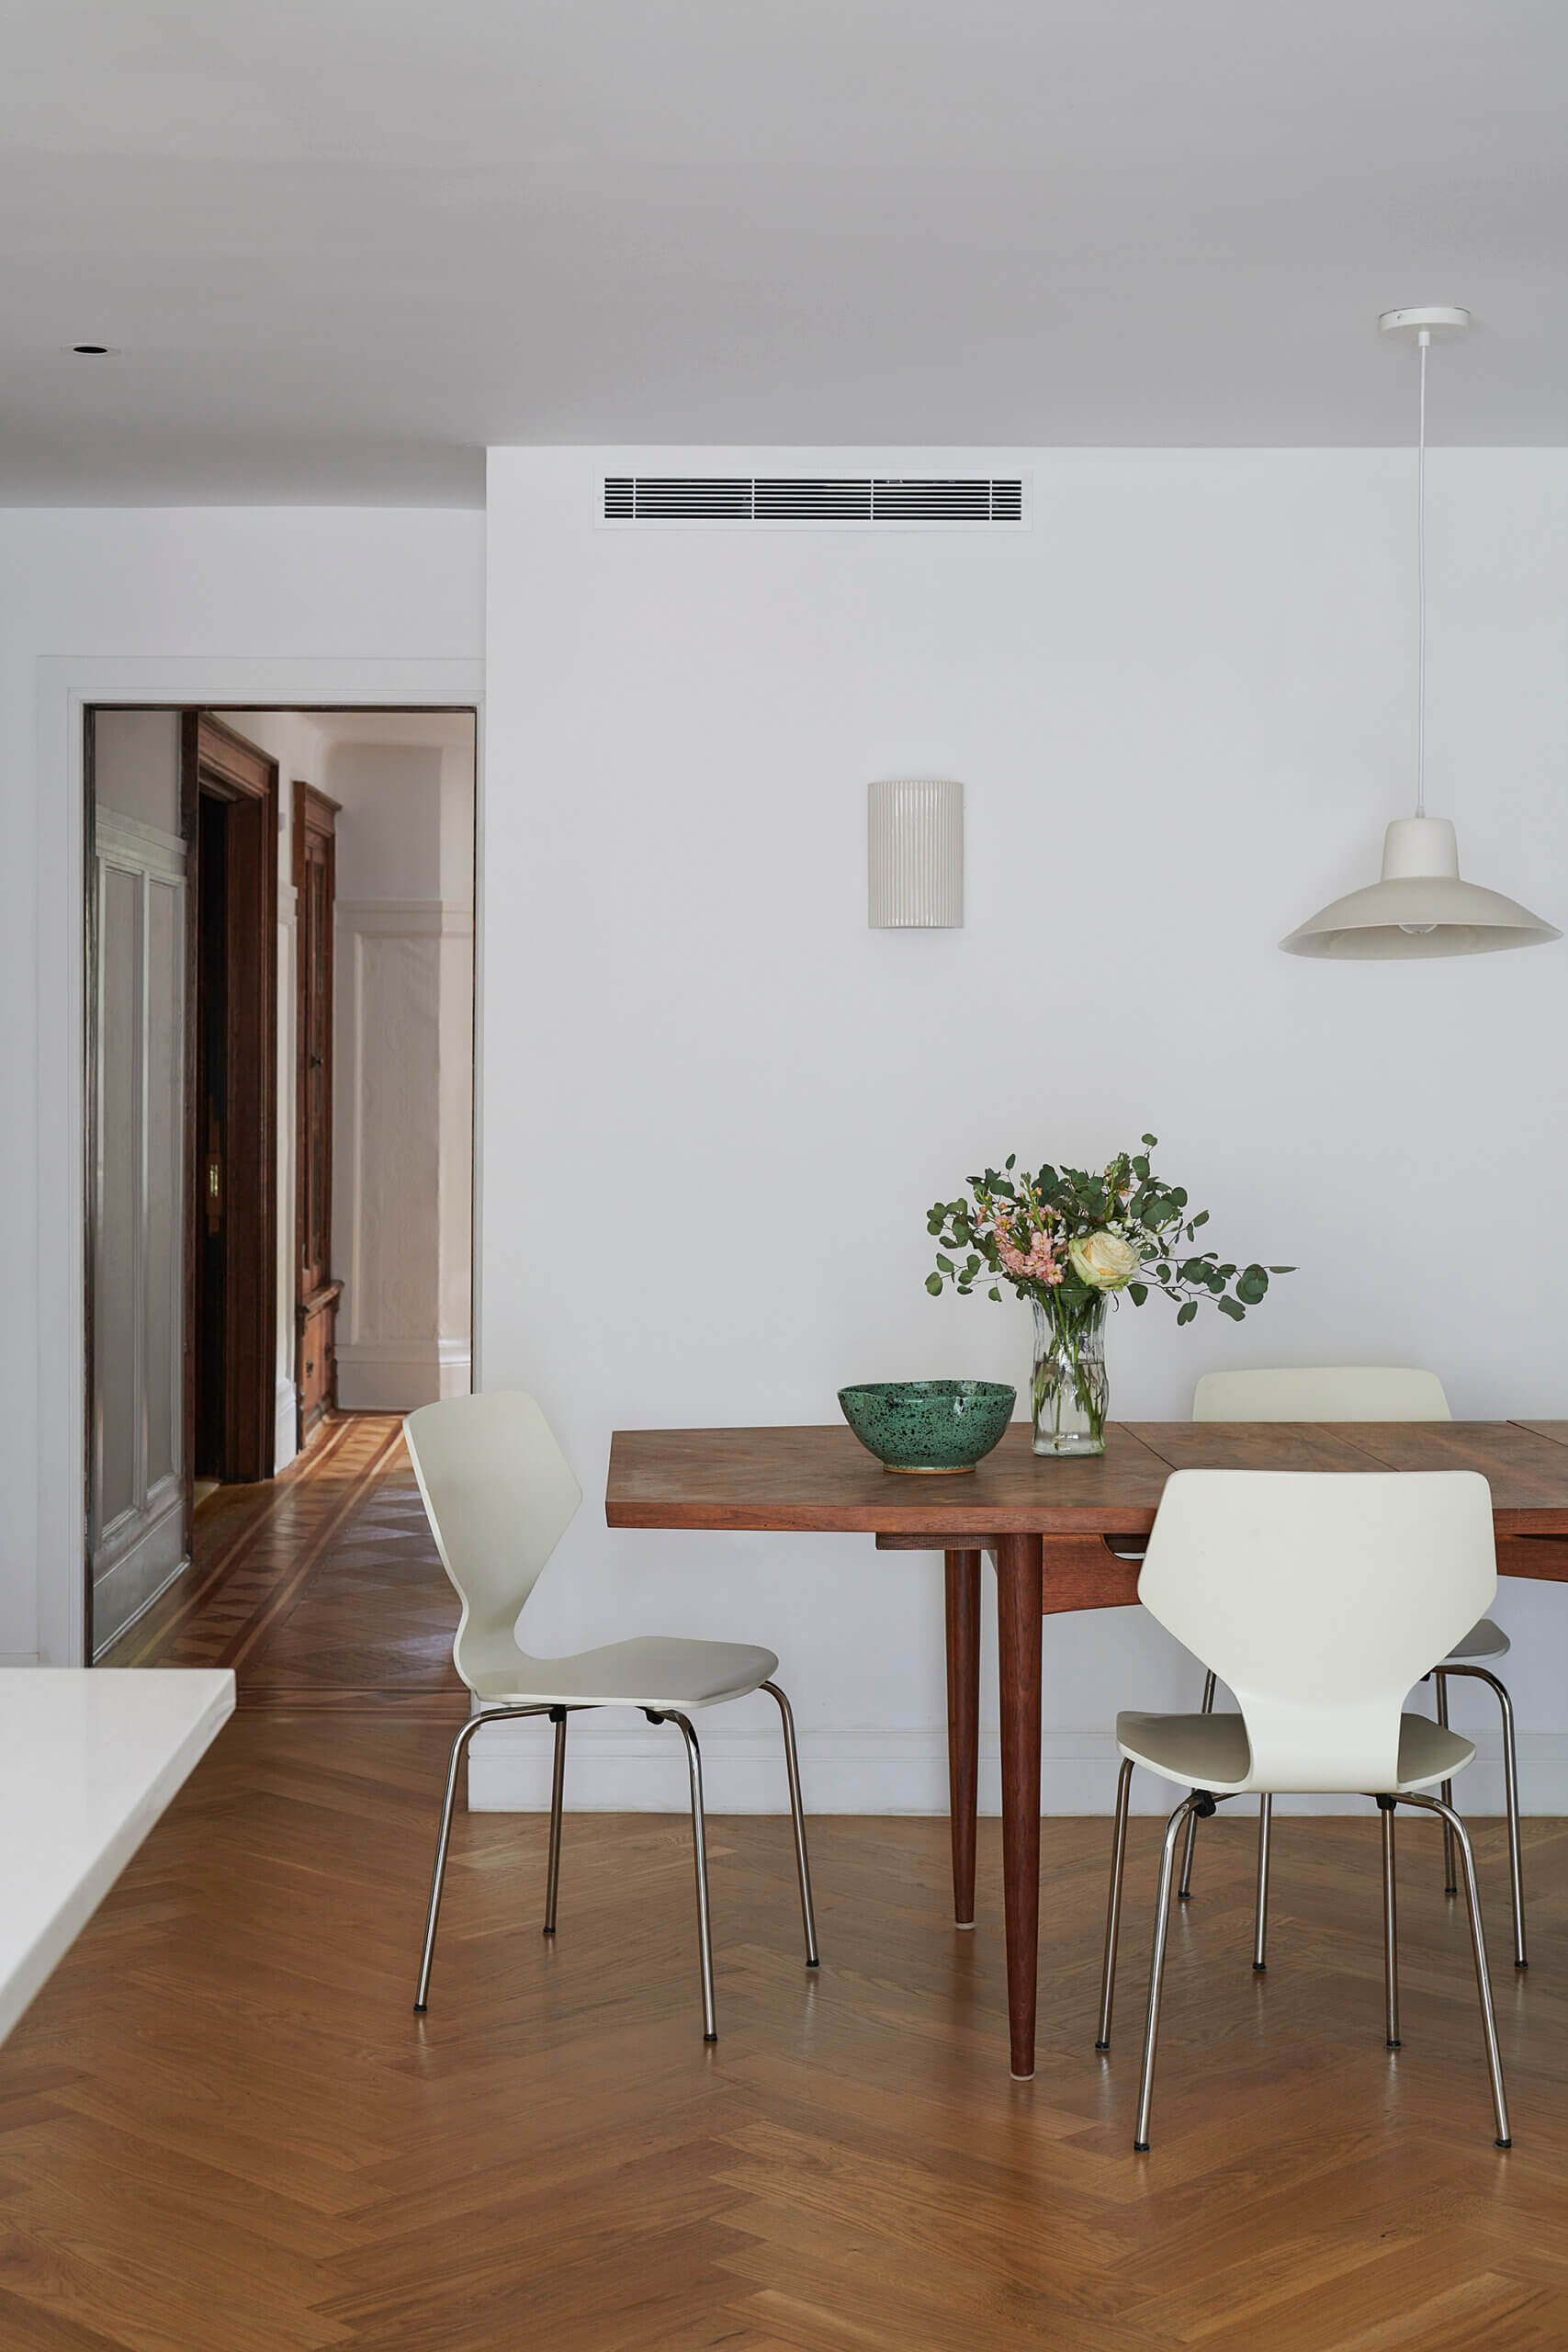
column 342, row 245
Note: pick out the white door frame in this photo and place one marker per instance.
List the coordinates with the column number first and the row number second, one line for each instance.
column 66, row 686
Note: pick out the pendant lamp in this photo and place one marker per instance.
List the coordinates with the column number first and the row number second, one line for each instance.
column 1420, row 906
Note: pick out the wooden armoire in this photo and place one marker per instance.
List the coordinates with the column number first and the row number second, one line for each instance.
column 315, row 1370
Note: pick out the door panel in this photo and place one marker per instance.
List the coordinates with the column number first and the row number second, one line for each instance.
column 136, row 1473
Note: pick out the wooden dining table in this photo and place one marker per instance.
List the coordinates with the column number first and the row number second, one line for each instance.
column 1064, row 1534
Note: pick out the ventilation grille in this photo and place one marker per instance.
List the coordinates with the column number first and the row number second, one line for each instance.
column 741, row 498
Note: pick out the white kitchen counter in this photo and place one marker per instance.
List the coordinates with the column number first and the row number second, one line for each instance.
column 88, row 1760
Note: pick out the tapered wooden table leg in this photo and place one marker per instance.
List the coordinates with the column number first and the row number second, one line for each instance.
column 1018, row 1643
column 963, row 1723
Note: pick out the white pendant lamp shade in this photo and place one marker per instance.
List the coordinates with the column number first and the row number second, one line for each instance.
column 1420, row 906
column 915, row 854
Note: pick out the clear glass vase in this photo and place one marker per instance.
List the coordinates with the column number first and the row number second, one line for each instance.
column 1070, row 1390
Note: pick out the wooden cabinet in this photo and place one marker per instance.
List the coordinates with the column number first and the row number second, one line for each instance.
column 315, row 1372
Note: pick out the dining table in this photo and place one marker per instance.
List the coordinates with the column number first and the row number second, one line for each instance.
column 1065, row 1533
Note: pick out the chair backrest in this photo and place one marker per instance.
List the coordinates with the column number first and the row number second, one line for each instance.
column 1321, row 1597
column 500, row 1494
column 1322, row 1393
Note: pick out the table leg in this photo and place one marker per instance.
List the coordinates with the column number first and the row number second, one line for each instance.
column 1019, row 1566
column 963, row 1723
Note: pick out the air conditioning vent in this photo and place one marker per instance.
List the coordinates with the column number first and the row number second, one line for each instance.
column 729, row 498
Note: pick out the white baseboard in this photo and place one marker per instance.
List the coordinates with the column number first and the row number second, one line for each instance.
column 395, row 1375
column 109, row 1640
column 632, row 1768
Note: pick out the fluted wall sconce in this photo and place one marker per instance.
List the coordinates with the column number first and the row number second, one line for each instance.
column 915, row 836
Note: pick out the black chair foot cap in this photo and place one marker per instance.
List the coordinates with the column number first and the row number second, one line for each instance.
column 1103, row 2045
column 814, row 1963
column 1521, row 1963
column 1451, row 1889
column 1261, row 1968
column 1140, row 2147
column 1184, row 1895
column 1502, row 2144
column 419, row 2008
column 1393, row 2045
column 710, row 2037
column 546, row 1931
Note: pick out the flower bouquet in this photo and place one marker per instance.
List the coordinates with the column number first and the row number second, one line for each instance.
column 1070, row 1242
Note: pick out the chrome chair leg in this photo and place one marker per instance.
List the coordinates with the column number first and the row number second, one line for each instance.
column 1511, row 1797
column 558, row 1792
column 1390, row 1926
column 798, row 1814
column 1199, row 1802
column 1184, row 1892
column 1440, row 1685
column 700, row 1859
column 1260, row 1924
column 444, row 1839
column 1114, row 1904
column 1478, row 1953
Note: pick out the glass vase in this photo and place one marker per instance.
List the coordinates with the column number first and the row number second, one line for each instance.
column 1070, row 1390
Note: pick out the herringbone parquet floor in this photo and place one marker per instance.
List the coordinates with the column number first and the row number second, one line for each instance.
column 221, row 2129
column 321, row 1587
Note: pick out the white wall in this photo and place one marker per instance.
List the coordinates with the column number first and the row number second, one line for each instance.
column 403, row 1178
column 717, row 1106
column 136, row 766
column 202, row 606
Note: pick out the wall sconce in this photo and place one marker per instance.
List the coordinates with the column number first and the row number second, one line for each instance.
column 915, row 840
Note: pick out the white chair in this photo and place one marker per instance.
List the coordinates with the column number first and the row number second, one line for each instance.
column 1365, row 1393
column 500, row 1494
column 1262, row 1571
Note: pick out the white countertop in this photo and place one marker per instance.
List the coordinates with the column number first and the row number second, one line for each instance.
column 88, row 1760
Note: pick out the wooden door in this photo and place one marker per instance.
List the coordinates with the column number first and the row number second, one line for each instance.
column 316, row 1310
column 228, row 792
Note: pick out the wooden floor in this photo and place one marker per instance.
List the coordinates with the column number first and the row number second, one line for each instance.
column 321, row 1587
column 223, row 2129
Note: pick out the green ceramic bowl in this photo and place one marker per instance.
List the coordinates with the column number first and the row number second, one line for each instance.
column 931, row 1428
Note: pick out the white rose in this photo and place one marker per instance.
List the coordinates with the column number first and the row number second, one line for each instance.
column 1104, row 1261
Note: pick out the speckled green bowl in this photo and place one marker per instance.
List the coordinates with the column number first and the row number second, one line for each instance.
column 931, row 1428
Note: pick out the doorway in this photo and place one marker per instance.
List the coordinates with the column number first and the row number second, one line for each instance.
column 326, row 1175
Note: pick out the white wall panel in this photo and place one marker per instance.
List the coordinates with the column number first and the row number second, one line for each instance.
column 136, row 1528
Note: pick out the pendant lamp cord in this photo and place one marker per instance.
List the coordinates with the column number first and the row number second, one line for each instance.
column 1424, row 339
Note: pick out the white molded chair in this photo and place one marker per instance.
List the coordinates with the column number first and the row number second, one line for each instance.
column 1262, row 1571
column 500, row 1494
column 1365, row 1393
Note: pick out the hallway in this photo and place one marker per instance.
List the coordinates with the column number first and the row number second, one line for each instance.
column 321, row 1587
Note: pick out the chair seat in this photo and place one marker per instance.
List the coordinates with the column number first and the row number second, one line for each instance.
column 650, row 1672
column 1212, row 1752
column 1485, row 1640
